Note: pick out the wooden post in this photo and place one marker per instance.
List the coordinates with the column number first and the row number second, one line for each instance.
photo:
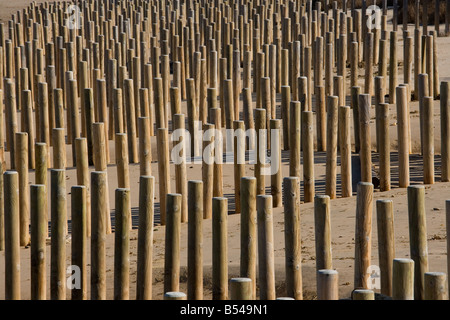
column 122, row 245
column 294, row 139
column 417, row 60
column 403, row 137
column 239, row 160
column 428, row 142
column 423, row 92
column 321, row 119
column 276, row 170
column 58, row 228
column 386, row 248
column 131, row 120
column 11, row 119
column 163, row 170
column 445, row 131
column 393, row 67
column 98, row 234
column 12, row 235
column 345, row 148
column 79, row 239
column 90, row 120
column 363, row 294
column 195, row 240
column 220, row 249
column 83, row 177
column 292, row 237
column 429, row 63
column 248, row 231
column 21, row 166
column 74, row 116
column 208, row 169
column 218, row 152
column 27, row 111
column 241, row 289
column 365, row 153
column 39, row 227
column 260, row 127
column 145, row 148
column 180, row 163
column 363, row 233
column 121, row 149
column 145, row 238
column 42, row 109
column 59, row 148
column 172, row 247
column 418, row 237
column 384, row 146
column 99, row 139
column 331, row 157
column 436, row 286
column 322, row 225
column 308, row 155
column 327, row 284
column 355, row 92
column 265, row 247
column 368, row 58
column 403, row 279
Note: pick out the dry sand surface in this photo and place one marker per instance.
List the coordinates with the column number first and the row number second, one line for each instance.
column 342, row 212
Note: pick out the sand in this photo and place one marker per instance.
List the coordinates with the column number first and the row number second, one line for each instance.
column 342, row 212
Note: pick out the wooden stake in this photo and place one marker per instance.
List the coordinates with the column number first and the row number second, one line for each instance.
column 428, row 142
column 292, row 237
column 346, row 150
column 294, row 139
column 365, row 153
column 436, row 286
column 265, row 247
column 260, row 127
column 21, row 166
column 445, row 131
column 403, row 279
column 403, row 143
column 322, row 224
column 83, row 177
column 327, row 285
column 121, row 149
column 386, row 252
column 79, row 239
column 163, row 171
column 363, row 234
column 220, row 249
column 195, row 240
column 59, row 231
column 331, row 158
column 38, row 247
column 98, row 237
column 241, row 289
column 131, row 121
column 418, row 237
column 122, row 244
column 12, row 235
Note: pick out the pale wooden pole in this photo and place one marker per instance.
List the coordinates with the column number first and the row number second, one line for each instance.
column 163, row 170
column 79, row 239
column 384, row 146
column 321, row 119
column 98, row 234
column 83, row 177
column 292, row 237
column 386, row 247
column 355, row 92
column 428, row 142
column 11, row 119
column 248, row 231
column 265, row 247
column 208, row 169
column 393, row 67
column 220, row 249
column 436, row 286
column 145, row 147
column 43, row 111
column 418, row 237
column 327, row 284
column 241, row 289
column 121, row 150
column 131, row 120
column 27, row 111
column 445, row 131
column 331, row 157
column 345, row 148
column 178, row 121
column 59, row 148
column 294, row 139
column 12, row 235
column 365, row 153
column 39, row 227
column 403, row 141
column 260, row 127
column 363, row 294
column 172, row 244
column 322, row 225
column 218, row 152
column 363, row 233
column 58, row 196
column 145, row 238
column 308, row 155
column 122, row 244
column 21, row 149
column 195, row 240
column 275, row 169
column 99, row 139
column 403, row 279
